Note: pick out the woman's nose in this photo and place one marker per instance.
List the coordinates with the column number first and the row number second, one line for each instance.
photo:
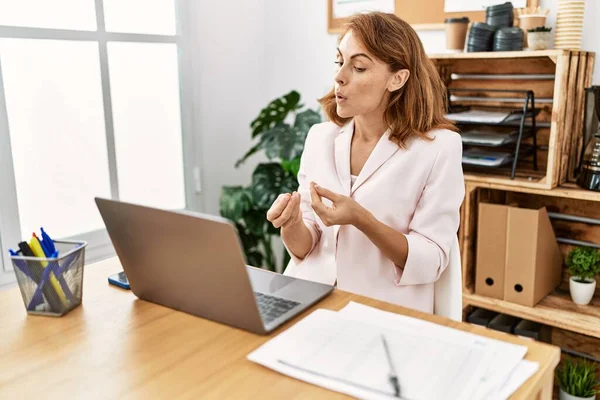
column 339, row 78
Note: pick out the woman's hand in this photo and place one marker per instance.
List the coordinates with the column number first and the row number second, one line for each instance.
column 285, row 210
column 343, row 211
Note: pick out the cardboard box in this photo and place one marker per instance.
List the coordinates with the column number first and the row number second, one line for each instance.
column 533, row 258
column 491, row 250
column 518, row 258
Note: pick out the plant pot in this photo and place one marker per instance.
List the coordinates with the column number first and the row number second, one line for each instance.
column 529, row 21
column 539, row 40
column 582, row 293
column 566, row 396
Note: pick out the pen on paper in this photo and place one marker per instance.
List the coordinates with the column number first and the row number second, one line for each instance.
column 393, row 377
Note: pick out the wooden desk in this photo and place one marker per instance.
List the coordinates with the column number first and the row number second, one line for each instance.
column 115, row 346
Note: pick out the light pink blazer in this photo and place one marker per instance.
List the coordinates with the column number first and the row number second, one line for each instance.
column 417, row 191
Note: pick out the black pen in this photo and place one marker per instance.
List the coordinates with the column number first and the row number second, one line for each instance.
column 393, row 377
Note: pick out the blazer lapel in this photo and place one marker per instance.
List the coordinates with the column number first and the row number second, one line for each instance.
column 382, row 152
column 341, row 146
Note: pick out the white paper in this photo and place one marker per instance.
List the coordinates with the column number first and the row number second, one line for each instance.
column 494, row 117
column 477, row 5
column 505, row 357
column 346, row 8
column 525, row 370
column 338, row 352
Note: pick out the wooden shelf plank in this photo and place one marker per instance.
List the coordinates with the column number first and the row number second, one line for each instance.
column 498, row 180
column 569, row 191
column 499, row 54
column 556, row 310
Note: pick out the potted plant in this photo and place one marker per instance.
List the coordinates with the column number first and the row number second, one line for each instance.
column 584, row 265
column 280, row 130
column 577, row 380
column 539, row 38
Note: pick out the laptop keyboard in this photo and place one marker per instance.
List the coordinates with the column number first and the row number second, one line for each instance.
column 271, row 307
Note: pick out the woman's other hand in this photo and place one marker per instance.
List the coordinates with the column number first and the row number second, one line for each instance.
column 344, row 210
column 285, row 210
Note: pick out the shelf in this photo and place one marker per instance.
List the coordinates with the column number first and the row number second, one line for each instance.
column 568, row 191
column 556, row 310
column 469, row 138
column 512, row 119
column 525, row 151
column 499, row 54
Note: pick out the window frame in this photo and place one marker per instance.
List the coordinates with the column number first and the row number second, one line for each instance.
column 99, row 246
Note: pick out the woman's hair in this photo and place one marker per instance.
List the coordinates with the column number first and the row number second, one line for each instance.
column 420, row 105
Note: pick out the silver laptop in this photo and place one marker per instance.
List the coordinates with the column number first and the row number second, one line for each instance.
column 194, row 263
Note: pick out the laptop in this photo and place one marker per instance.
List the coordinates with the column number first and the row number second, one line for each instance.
column 194, row 263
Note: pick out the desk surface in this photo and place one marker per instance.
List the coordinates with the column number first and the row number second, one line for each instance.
column 115, row 345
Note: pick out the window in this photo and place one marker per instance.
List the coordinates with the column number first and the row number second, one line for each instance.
column 83, row 84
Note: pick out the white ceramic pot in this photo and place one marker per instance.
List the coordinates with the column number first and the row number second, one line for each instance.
column 539, row 40
column 582, row 293
column 566, row 396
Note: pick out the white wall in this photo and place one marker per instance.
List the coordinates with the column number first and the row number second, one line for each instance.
column 256, row 51
column 229, row 67
column 300, row 52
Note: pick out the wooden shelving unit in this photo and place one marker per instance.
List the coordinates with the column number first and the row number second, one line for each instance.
column 567, row 191
column 578, row 326
column 500, row 54
column 556, row 310
column 556, row 77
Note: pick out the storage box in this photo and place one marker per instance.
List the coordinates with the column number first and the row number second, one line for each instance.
column 481, row 316
column 504, row 323
column 518, row 258
column 491, row 250
column 533, row 259
column 534, row 330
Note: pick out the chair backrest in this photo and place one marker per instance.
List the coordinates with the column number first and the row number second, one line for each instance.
column 448, row 288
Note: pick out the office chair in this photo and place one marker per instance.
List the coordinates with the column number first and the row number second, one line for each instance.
column 448, row 288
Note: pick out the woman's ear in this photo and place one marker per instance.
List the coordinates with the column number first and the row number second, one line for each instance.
column 398, row 80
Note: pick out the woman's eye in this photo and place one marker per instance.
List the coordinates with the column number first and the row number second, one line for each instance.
column 339, row 63
column 359, row 69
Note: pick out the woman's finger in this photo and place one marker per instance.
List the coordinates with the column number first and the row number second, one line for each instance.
column 316, row 203
column 295, row 206
column 278, row 206
column 287, row 212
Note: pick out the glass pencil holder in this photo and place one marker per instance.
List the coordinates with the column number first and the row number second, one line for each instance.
column 52, row 286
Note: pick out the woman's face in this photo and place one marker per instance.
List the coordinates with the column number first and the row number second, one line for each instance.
column 362, row 82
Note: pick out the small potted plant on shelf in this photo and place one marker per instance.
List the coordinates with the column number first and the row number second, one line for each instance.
column 539, row 38
column 577, row 380
column 584, row 265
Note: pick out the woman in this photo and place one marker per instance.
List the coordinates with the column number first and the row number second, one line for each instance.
column 381, row 184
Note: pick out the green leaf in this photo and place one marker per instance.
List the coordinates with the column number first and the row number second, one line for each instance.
column 584, row 262
column 578, row 379
column 305, row 120
column 256, row 148
column 256, row 222
column 289, row 184
column 291, row 167
column 235, row 200
column 275, row 112
column 254, row 258
column 269, row 181
column 250, row 244
column 284, row 142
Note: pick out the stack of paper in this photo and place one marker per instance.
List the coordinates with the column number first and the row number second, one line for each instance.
column 344, row 351
column 484, row 117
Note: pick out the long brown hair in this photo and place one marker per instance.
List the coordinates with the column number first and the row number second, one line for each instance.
column 420, row 105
